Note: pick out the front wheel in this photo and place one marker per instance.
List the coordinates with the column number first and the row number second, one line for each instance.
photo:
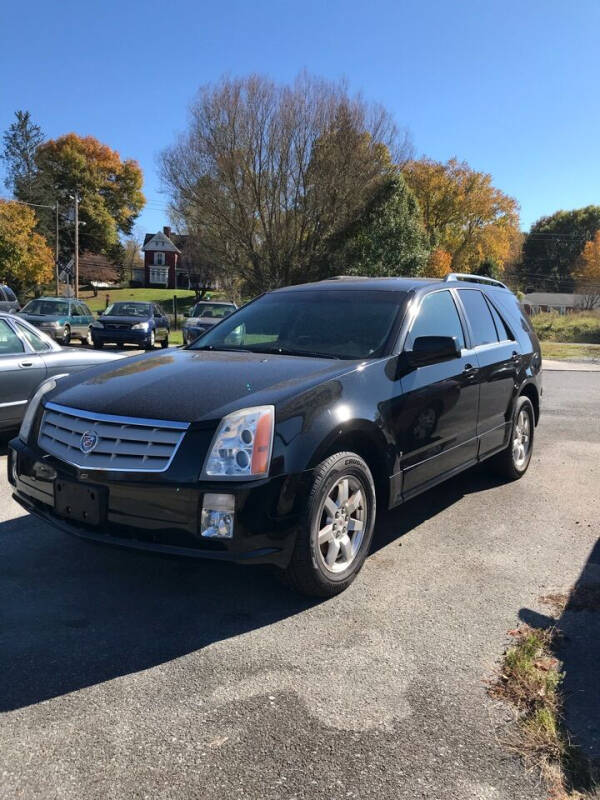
column 165, row 342
column 88, row 338
column 151, row 341
column 336, row 534
column 66, row 336
column 513, row 461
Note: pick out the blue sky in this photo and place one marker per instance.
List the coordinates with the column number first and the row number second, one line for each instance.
column 511, row 87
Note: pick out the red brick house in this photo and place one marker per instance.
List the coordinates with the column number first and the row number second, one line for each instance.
column 163, row 260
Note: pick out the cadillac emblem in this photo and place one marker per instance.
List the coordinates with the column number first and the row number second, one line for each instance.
column 88, row 441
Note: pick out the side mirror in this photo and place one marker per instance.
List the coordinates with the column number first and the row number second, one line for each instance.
column 433, row 350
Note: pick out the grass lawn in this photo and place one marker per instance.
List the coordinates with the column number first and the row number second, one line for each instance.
column 185, row 297
column 564, row 350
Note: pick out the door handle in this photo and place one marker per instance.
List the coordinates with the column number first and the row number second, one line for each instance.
column 26, row 363
column 470, row 371
column 515, row 356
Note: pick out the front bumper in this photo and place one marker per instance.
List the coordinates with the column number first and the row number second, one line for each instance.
column 55, row 333
column 127, row 336
column 157, row 514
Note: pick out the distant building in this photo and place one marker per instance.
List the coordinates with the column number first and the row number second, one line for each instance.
column 562, row 302
column 163, row 263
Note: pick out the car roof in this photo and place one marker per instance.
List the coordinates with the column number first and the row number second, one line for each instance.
column 350, row 282
column 66, row 299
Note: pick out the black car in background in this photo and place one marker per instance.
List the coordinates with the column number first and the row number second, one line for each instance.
column 143, row 324
column 278, row 433
column 8, row 299
column 203, row 316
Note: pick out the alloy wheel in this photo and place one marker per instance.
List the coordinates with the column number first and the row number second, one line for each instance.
column 341, row 524
column 521, row 442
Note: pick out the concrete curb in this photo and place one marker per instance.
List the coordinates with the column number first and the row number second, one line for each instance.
column 570, row 366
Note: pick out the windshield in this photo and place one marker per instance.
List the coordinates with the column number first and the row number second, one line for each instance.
column 128, row 310
column 327, row 323
column 212, row 310
column 47, row 308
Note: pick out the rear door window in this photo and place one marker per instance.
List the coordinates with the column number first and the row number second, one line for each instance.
column 38, row 344
column 502, row 329
column 437, row 317
column 9, row 341
column 479, row 315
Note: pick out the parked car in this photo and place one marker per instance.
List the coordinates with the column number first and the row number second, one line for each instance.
column 277, row 434
column 8, row 299
column 143, row 324
column 63, row 318
column 28, row 357
column 203, row 316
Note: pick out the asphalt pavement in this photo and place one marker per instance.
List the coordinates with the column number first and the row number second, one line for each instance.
column 126, row 675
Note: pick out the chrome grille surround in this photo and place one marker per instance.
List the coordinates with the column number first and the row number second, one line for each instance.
column 124, row 444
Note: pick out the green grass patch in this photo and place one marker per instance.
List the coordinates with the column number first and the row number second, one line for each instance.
column 185, row 298
column 567, row 350
column 581, row 326
column 530, row 679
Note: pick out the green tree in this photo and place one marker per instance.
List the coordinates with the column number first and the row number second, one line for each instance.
column 553, row 246
column 388, row 238
column 20, row 144
column 489, row 268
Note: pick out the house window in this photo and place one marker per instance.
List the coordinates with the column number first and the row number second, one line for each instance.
column 159, row 258
column 158, row 275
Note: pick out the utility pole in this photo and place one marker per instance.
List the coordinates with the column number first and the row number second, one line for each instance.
column 57, row 250
column 76, row 261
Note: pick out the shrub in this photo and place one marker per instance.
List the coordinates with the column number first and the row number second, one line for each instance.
column 581, row 327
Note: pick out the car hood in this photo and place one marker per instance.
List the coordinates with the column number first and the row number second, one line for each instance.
column 208, row 321
column 190, row 386
column 36, row 319
column 121, row 320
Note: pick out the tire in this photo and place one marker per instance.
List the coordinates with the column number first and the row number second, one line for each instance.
column 98, row 345
column 513, row 461
column 165, row 343
column 315, row 569
column 151, row 341
column 66, row 336
column 88, row 339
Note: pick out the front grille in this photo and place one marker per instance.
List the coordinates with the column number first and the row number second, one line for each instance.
column 117, row 326
column 119, row 443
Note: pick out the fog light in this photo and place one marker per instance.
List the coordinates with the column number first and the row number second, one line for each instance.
column 216, row 521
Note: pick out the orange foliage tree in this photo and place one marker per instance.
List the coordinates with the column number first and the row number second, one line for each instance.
column 463, row 213
column 587, row 273
column 25, row 258
column 439, row 264
column 110, row 189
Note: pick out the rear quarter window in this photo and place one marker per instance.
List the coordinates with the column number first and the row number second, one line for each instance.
column 483, row 329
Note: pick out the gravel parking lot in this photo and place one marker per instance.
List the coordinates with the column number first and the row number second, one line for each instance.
column 130, row 675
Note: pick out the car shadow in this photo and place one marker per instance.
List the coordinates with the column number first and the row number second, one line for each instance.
column 5, row 438
column 74, row 614
column 579, row 651
column 391, row 525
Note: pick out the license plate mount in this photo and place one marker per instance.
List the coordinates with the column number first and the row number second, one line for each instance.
column 79, row 502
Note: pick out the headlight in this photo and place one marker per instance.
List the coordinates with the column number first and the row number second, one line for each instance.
column 96, row 324
column 34, row 404
column 140, row 326
column 242, row 445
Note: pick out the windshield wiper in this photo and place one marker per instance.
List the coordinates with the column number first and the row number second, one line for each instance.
column 288, row 351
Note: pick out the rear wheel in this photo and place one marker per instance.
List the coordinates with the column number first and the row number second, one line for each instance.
column 165, row 342
column 513, row 461
column 66, row 335
column 336, row 534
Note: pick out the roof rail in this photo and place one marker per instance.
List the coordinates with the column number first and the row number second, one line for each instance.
column 464, row 276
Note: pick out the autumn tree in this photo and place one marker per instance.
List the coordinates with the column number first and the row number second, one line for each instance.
column 587, row 273
column 388, row 238
column 110, row 191
column 439, row 263
column 553, row 247
column 25, row 258
column 268, row 176
column 463, row 213
column 20, row 143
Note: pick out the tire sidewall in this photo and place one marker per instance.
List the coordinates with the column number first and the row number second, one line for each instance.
column 522, row 403
column 346, row 465
column 66, row 335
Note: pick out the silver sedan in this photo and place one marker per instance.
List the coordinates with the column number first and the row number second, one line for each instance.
column 27, row 357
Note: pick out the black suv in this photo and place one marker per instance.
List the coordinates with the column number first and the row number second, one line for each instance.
column 274, row 436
